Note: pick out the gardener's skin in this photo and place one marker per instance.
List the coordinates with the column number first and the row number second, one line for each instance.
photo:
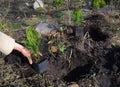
column 24, row 51
column 8, row 44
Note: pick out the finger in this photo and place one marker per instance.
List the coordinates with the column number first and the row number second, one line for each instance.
column 30, row 60
column 27, row 52
column 40, row 54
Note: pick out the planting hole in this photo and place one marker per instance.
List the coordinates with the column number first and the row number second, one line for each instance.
column 96, row 34
column 78, row 73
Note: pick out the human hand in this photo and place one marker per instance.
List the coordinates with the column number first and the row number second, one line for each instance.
column 27, row 54
column 24, row 51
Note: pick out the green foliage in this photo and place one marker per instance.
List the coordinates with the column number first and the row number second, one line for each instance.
column 81, row 0
column 12, row 26
column 1, row 25
column 61, row 29
column 57, row 3
column 77, row 17
column 51, row 86
column 8, row 25
column 42, row 17
column 118, row 31
column 96, row 4
column 61, row 47
column 32, row 41
column 39, row 9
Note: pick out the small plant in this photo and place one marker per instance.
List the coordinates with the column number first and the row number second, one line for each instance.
column 6, row 25
column 57, row 3
column 39, row 9
column 51, row 86
column 1, row 25
column 12, row 26
column 32, row 42
column 61, row 29
column 96, row 4
column 61, row 47
column 77, row 17
column 56, row 46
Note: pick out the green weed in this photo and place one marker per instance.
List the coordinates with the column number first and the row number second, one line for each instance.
column 1, row 25
column 61, row 29
column 51, row 86
column 57, row 3
column 8, row 25
column 12, row 26
column 61, row 47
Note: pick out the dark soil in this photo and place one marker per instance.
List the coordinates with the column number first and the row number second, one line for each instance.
column 97, row 65
column 90, row 60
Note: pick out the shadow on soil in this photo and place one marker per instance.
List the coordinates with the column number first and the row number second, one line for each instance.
column 78, row 73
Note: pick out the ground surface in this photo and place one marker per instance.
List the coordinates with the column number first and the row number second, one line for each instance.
column 91, row 59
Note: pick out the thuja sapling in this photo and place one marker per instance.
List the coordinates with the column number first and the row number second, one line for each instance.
column 77, row 17
column 32, row 42
column 96, row 4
